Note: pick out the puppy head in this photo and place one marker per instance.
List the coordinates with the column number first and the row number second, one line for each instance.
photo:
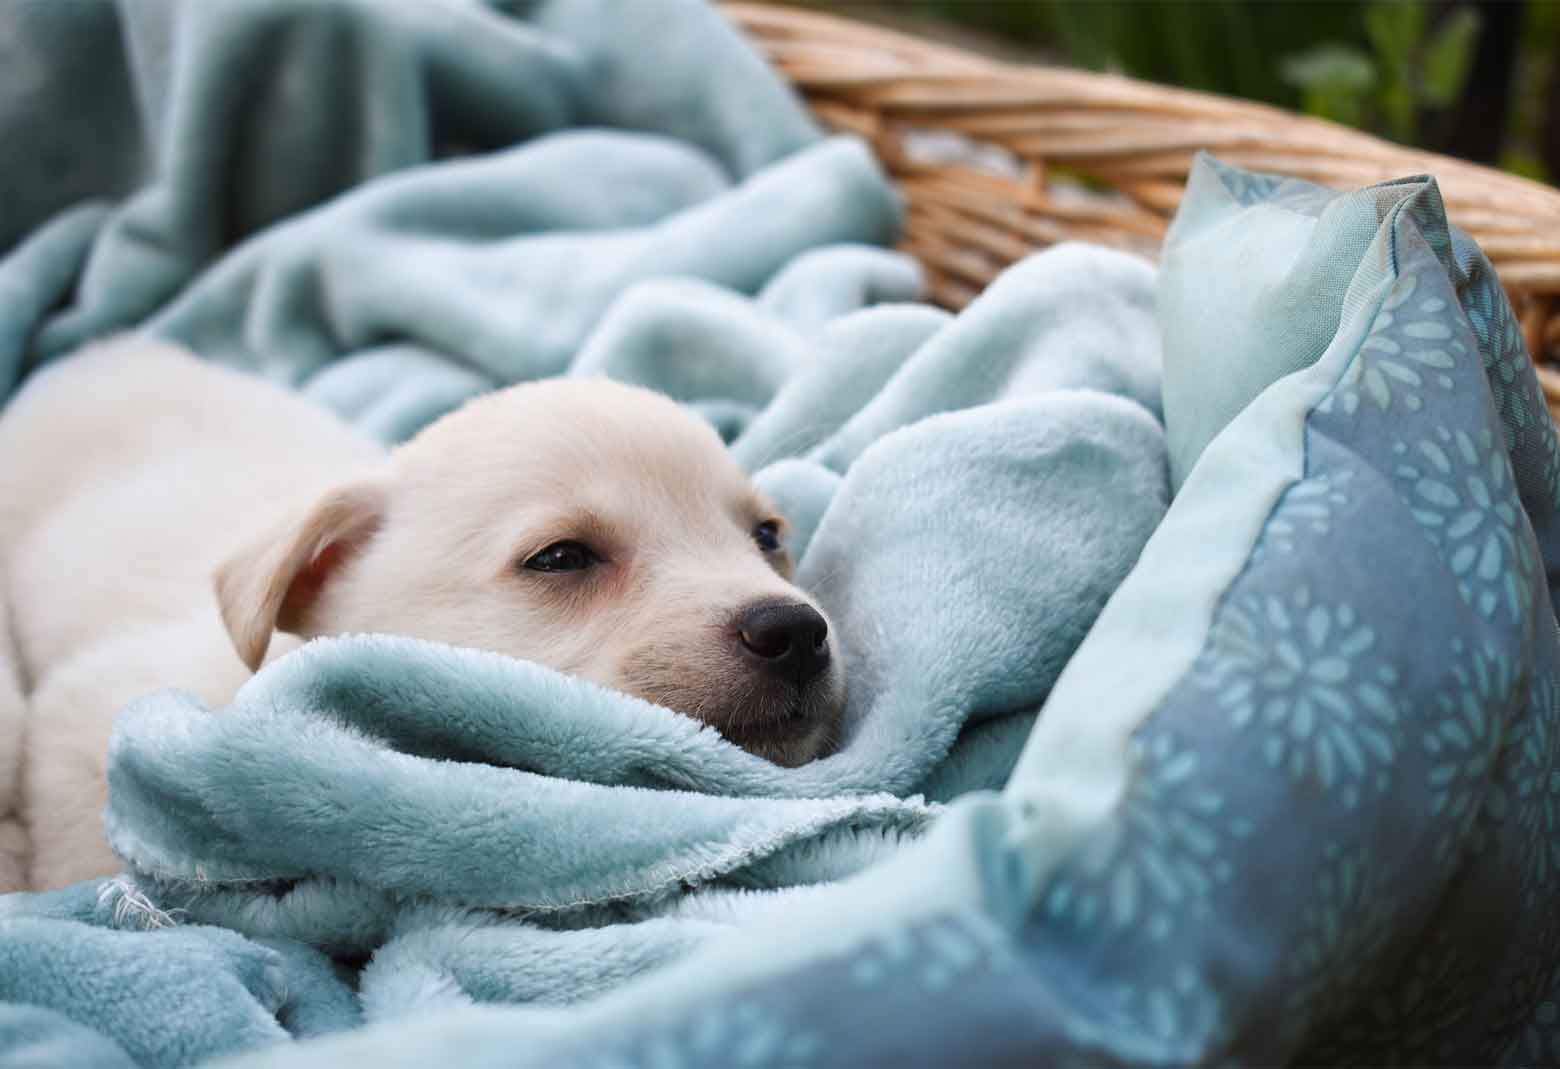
column 593, row 527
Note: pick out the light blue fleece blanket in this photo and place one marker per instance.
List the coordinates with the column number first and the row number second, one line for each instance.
column 378, row 828
column 478, row 829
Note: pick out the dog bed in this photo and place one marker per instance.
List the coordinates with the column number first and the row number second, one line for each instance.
column 1203, row 656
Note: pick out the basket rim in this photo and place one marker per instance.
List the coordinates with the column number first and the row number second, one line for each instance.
column 1136, row 138
column 927, row 68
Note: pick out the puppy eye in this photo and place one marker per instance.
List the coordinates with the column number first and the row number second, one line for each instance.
column 563, row 557
column 767, row 535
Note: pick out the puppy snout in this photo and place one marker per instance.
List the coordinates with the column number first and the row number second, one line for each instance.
column 789, row 639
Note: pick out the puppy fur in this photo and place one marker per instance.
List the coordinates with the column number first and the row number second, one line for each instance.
column 166, row 522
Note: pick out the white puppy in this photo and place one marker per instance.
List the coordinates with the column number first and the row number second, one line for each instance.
column 161, row 519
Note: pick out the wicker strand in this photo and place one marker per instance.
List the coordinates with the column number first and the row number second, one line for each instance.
column 1072, row 155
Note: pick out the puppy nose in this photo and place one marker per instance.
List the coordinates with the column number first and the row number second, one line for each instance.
column 786, row 638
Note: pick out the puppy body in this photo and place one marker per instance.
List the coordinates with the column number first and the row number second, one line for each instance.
column 166, row 522
column 126, row 473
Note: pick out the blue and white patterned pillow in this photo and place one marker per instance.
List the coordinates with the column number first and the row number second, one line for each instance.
column 1339, row 828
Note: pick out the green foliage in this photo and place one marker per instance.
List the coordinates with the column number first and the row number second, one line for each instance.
column 1534, row 104
column 1448, row 58
column 1222, row 46
column 1525, row 164
column 1378, row 65
column 1393, row 67
column 1406, row 70
column 1395, row 29
column 1334, row 80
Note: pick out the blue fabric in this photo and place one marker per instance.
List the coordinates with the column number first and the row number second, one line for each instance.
column 91, row 975
column 1292, row 800
column 379, row 828
column 32, row 1037
column 513, row 168
column 480, row 829
column 365, row 798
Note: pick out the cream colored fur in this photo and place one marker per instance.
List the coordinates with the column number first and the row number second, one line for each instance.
column 162, row 520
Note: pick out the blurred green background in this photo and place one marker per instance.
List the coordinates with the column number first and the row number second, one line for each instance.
column 1478, row 79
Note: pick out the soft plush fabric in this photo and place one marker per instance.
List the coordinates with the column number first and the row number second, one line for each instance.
column 103, row 959
column 479, row 829
column 32, row 1037
column 153, row 149
column 1293, row 798
column 379, row 828
column 398, row 206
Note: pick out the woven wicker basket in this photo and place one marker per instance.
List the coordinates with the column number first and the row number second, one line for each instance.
column 990, row 155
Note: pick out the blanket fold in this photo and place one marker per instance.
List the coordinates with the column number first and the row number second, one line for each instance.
column 354, row 782
column 377, row 826
column 482, row 829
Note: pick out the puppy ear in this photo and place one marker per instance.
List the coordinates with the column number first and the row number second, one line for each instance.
column 271, row 584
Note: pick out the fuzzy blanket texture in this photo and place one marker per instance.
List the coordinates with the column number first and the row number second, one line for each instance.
column 1293, row 792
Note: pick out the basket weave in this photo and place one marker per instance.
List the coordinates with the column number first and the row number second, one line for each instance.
column 1026, row 134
